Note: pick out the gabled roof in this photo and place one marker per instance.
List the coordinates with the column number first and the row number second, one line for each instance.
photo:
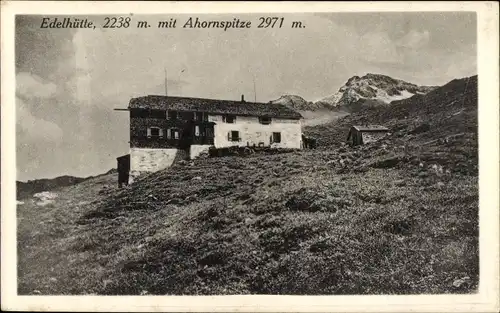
column 187, row 104
column 370, row 128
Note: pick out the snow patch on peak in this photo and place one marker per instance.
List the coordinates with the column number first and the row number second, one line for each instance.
column 386, row 98
column 377, row 87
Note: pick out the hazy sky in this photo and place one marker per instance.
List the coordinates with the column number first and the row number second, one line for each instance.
column 69, row 81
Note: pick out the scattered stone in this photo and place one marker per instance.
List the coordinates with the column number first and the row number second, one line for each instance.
column 438, row 169
column 460, row 282
column 400, row 182
column 190, row 198
column 174, row 201
column 387, row 163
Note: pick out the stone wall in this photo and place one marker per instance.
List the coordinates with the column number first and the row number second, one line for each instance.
column 149, row 160
column 196, row 150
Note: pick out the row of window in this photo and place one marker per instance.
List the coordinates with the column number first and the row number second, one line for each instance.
column 231, row 119
column 187, row 116
column 156, row 132
column 174, row 133
column 234, row 135
column 169, row 115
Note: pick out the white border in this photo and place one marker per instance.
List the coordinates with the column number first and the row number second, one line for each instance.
column 485, row 301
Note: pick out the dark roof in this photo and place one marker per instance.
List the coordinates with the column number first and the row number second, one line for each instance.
column 213, row 106
column 371, row 128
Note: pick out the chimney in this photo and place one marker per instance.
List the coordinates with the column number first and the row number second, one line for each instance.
column 242, row 98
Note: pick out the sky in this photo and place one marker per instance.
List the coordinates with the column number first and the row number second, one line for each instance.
column 68, row 81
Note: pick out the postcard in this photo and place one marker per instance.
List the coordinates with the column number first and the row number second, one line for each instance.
column 210, row 156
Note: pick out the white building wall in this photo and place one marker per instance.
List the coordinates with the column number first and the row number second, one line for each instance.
column 196, row 150
column 253, row 132
column 371, row 137
column 149, row 160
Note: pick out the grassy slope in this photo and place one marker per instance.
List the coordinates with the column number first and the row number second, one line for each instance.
column 380, row 218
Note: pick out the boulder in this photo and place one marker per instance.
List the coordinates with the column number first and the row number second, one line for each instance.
column 44, row 198
column 461, row 282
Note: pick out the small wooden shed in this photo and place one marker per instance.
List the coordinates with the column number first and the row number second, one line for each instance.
column 123, row 169
column 359, row 135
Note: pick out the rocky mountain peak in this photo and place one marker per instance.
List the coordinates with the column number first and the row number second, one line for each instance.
column 373, row 88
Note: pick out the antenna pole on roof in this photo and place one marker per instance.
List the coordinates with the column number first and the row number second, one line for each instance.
column 254, row 90
column 166, row 93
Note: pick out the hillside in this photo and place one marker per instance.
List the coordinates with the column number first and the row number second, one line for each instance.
column 371, row 90
column 395, row 217
column 448, row 110
column 27, row 189
column 30, row 187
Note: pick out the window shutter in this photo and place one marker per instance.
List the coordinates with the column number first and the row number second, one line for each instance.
column 149, row 132
column 161, row 132
column 197, row 130
column 229, row 136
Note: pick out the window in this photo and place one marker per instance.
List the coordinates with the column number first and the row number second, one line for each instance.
column 155, row 132
column 265, row 120
column 229, row 119
column 233, row 135
column 173, row 133
column 198, row 116
column 172, row 115
column 276, row 138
